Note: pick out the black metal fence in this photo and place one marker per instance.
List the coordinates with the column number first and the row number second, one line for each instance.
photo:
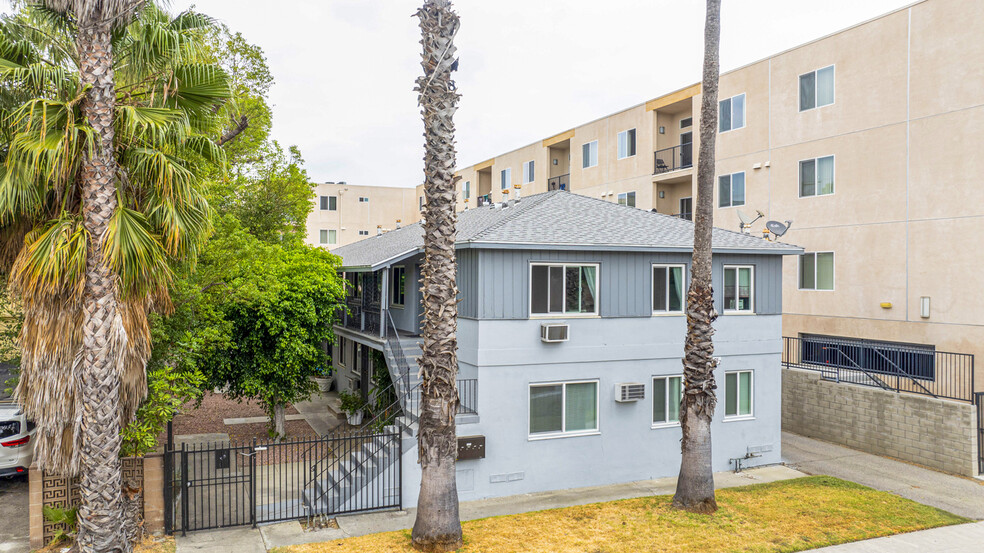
column 483, row 200
column 225, row 484
column 467, row 396
column 671, row 159
column 898, row 368
column 979, row 401
column 560, row 182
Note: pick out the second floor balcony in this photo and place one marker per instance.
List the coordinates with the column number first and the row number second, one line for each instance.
column 560, row 182
column 673, row 159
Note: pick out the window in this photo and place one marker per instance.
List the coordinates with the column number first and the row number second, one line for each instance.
column 363, row 233
column 667, row 395
column 687, row 208
column 627, row 198
column 817, row 176
column 398, row 285
column 563, row 409
column 505, row 178
column 731, row 113
column 738, row 394
column 329, row 203
column 354, row 285
column 363, row 199
column 528, row 173
column 686, row 122
column 738, row 286
column 589, row 154
column 817, row 271
column 342, row 349
column 817, row 88
column 731, row 190
column 420, row 203
column 563, row 289
column 668, row 288
column 467, row 189
column 328, row 236
column 626, row 144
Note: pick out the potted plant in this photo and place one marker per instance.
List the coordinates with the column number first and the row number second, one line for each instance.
column 324, row 378
column 353, row 406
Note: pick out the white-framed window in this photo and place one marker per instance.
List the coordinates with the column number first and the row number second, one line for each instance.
column 589, row 154
column 467, row 188
column 420, row 203
column 563, row 289
column 342, row 351
column 816, row 271
column 626, row 144
column 731, row 190
column 738, row 395
column 731, row 113
column 363, row 199
column 529, row 173
column 816, row 176
column 816, row 88
column 627, row 198
column 505, row 178
column 563, row 409
column 668, row 283
column 363, row 233
column 328, row 236
column 328, row 203
column 398, row 285
column 739, row 288
column 667, row 395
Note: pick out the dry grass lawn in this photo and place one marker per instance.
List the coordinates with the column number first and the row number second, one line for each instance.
column 792, row 515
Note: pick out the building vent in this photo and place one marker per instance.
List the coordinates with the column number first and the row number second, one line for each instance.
column 629, row 391
column 553, row 333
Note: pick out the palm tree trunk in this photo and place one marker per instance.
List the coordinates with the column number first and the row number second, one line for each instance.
column 101, row 515
column 437, row 526
column 695, row 486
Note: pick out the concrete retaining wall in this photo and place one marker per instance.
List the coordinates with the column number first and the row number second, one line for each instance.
column 939, row 434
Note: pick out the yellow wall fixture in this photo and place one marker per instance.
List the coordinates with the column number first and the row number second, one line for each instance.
column 886, row 305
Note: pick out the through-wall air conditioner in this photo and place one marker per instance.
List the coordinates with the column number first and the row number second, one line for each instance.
column 629, row 391
column 553, row 333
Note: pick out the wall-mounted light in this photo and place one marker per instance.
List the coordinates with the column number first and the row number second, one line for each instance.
column 662, row 194
column 924, row 307
column 555, row 161
column 662, row 129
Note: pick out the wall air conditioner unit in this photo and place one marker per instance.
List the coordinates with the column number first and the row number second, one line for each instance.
column 629, row 391
column 554, row 333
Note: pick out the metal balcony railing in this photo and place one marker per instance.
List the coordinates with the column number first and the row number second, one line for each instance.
column 560, row 182
column 483, row 201
column 672, row 159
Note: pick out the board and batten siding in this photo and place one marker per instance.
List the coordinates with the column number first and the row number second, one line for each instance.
column 494, row 283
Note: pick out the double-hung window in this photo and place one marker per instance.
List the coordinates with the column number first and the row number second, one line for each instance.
column 363, row 233
column 558, row 289
column 668, row 288
column 328, row 203
column 816, row 177
column 738, row 399
column 467, row 188
column 563, row 409
column 363, row 199
column 342, row 349
column 731, row 113
column 328, row 236
column 731, row 190
column 627, row 198
column 667, row 395
column 505, row 178
column 816, row 88
column 739, row 287
column 398, row 285
column 528, row 172
column 589, row 154
column 626, row 144
column 816, row 271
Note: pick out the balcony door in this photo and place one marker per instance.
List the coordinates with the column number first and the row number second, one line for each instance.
column 686, row 149
column 687, row 208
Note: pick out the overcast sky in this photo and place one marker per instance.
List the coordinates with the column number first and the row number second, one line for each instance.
column 344, row 69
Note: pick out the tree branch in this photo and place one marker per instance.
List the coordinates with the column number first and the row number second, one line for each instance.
column 232, row 133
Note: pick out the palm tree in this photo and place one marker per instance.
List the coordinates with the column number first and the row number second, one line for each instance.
column 695, row 486
column 437, row 527
column 105, row 124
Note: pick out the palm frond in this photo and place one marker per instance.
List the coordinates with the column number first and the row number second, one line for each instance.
column 135, row 254
column 183, row 226
column 163, row 174
column 52, row 263
column 148, row 124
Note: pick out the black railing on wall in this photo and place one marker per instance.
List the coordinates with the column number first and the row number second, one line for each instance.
column 895, row 367
column 671, row 159
column 560, row 182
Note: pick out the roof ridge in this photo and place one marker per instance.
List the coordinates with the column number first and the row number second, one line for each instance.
column 513, row 214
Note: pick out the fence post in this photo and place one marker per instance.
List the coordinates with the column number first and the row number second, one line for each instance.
column 252, row 485
column 399, row 450
column 185, row 490
column 168, row 492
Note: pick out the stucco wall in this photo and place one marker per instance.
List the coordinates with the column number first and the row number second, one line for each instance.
column 937, row 433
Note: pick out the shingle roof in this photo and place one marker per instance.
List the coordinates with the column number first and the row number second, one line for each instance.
column 559, row 219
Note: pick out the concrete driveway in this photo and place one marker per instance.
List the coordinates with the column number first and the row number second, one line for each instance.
column 13, row 514
column 958, row 495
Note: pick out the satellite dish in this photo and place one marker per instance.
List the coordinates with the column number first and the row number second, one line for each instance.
column 747, row 220
column 777, row 228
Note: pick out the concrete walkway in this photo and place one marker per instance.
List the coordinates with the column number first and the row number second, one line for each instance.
column 247, row 540
column 958, row 495
column 963, row 538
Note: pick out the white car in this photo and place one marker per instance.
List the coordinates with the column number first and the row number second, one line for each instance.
column 16, row 440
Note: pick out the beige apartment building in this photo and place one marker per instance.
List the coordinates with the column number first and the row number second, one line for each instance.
column 869, row 140
column 344, row 213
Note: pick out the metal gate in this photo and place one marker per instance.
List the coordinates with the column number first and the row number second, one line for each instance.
column 979, row 401
column 218, row 485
